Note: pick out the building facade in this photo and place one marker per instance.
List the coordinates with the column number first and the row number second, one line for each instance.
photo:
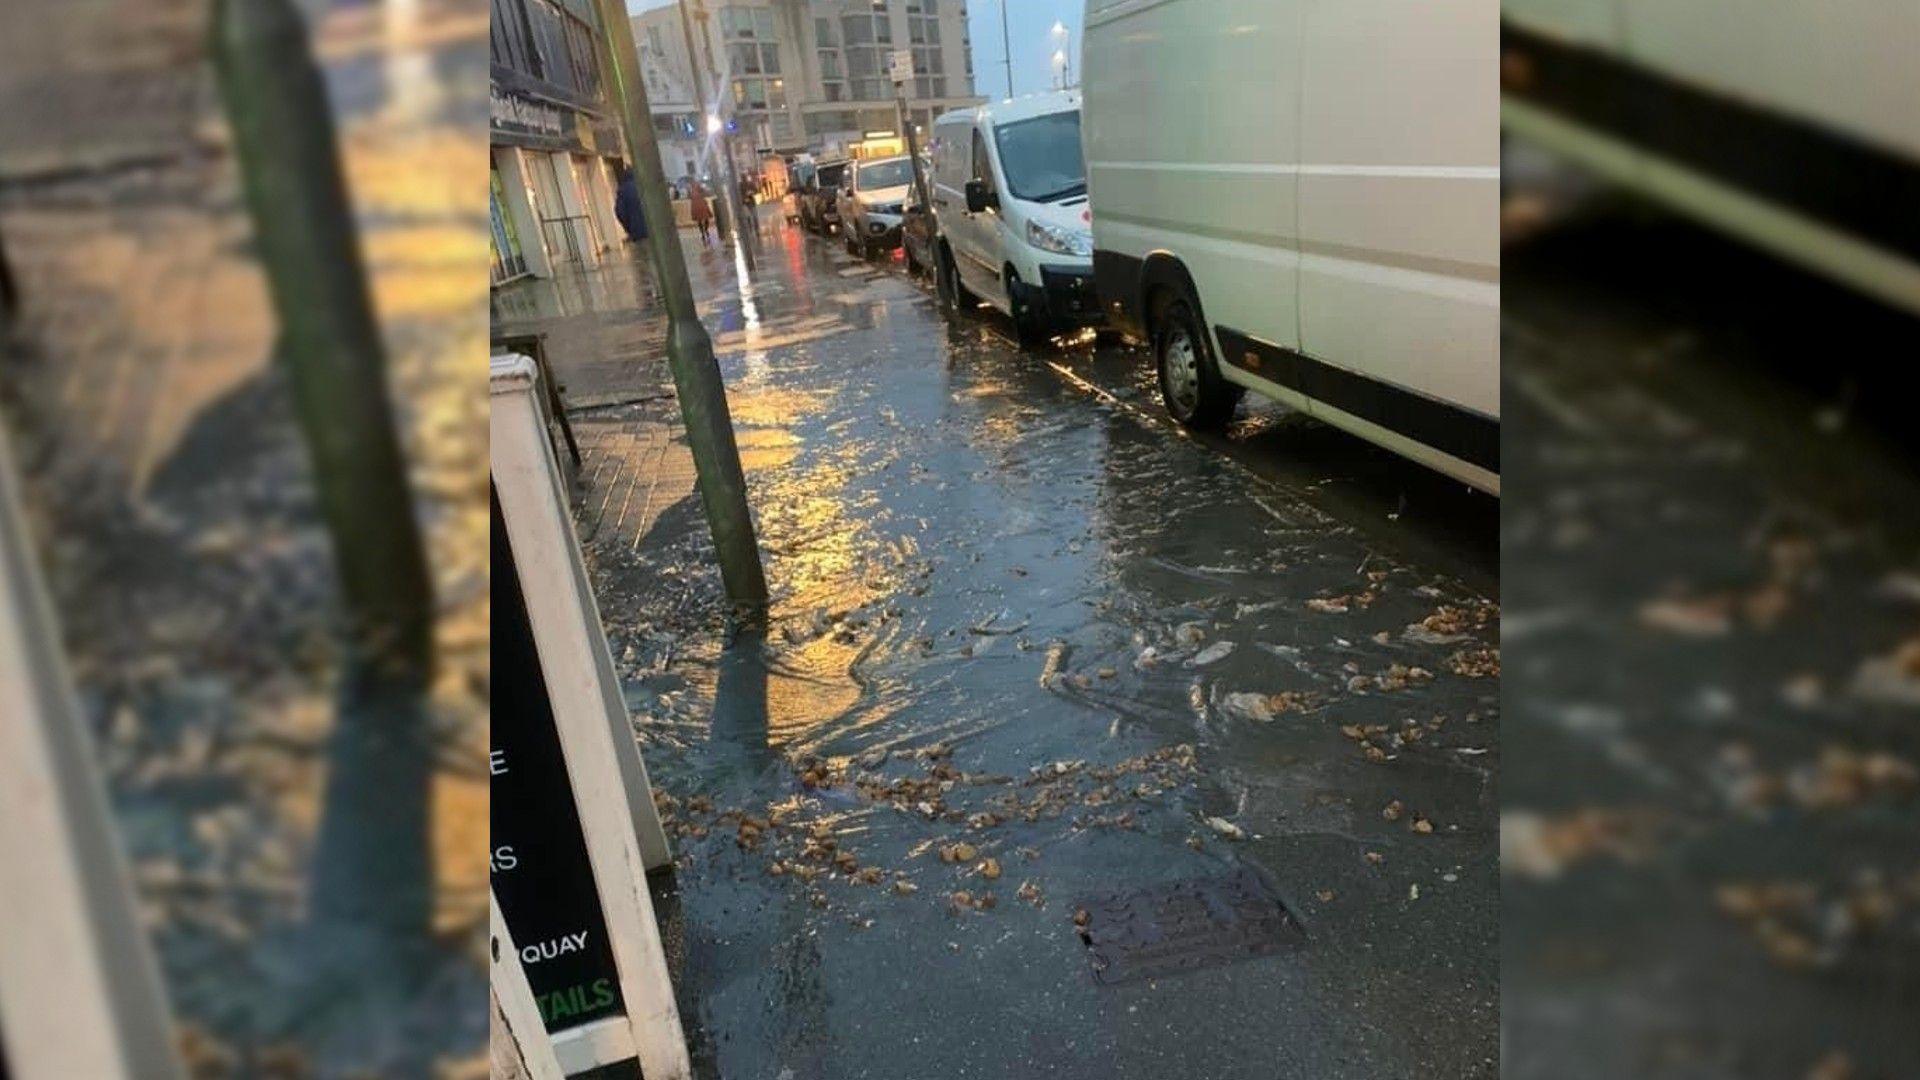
column 811, row 75
column 554, row 141
column 661, row 40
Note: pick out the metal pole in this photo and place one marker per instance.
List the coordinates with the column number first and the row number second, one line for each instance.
column 1006, row 45
column 724, row 198
column 372, row 887
column 9, row 293
column 913, row 148
column 696, row 376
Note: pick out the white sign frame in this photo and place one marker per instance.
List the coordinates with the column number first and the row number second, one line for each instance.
column 80, row 992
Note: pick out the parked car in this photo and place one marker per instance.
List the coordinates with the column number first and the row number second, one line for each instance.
column 917, row 237
column 1792, row 126
column 1311, row 211
column 819, row 211
column 873, row 198
column 1010, row 208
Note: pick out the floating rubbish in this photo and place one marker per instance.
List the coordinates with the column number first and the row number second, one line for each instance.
column 1212, row 654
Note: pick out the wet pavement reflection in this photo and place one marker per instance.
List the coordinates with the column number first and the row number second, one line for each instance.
column 1030, row 643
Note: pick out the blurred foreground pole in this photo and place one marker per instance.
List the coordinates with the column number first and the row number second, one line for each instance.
column 372, row 878
column 80, row 995
column 696, row 376
column 9, row 293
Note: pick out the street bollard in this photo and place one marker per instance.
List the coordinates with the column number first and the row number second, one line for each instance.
column 696, row 375
column 372, row 884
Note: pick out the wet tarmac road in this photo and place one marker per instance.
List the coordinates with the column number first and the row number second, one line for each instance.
column 1709, row 557
column 1007, row 594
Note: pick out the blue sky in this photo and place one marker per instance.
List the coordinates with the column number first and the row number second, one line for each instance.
column 1028, row 25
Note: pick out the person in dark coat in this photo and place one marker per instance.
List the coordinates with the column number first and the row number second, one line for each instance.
column 626, row 208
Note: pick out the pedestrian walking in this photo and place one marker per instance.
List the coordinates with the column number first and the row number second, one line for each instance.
column 626, row 207
column 702, row 211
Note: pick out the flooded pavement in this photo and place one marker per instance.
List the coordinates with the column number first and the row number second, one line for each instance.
column 1030, row 646
column 1710, row 561
column 183, row 543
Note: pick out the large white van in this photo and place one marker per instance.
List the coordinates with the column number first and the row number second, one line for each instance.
column 1790, row 125
column 1301, row 198
column 1010, row 211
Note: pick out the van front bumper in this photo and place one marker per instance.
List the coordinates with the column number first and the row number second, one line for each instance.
column 1065, row 296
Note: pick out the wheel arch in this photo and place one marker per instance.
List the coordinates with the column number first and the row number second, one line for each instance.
column 1163, row 276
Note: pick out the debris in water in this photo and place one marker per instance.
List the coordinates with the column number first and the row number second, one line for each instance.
column 1393, row 810
column 1227, row 828
column 1212, row 654
column 990, row 869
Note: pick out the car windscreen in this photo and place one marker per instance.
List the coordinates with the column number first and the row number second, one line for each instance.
column 831, row 175
column 875, row 175
column 1041, row 157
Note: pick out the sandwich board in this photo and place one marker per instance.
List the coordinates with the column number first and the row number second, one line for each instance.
column 574, row 829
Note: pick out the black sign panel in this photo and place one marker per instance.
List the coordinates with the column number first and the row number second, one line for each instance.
column 538, row 861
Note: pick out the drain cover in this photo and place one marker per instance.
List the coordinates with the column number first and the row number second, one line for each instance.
column 1184, row 926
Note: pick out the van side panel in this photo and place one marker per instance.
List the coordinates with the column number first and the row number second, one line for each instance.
column 1399, row 195
column 1190, row 135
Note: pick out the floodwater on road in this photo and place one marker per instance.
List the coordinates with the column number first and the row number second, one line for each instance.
column 1031, row 645
column 1710, row 559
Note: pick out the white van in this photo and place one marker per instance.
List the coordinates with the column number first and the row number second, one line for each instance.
column 1301, row 198
column 1791, row 126
column 1010, row 210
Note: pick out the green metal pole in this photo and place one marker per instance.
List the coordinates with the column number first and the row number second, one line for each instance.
column 372, row 879
column 696, row 375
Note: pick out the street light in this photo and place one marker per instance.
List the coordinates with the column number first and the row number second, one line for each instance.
column 1060, row 45
column 713, row 124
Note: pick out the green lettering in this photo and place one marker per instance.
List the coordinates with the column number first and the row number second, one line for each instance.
column 602, row 993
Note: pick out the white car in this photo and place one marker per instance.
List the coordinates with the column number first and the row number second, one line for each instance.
column 1301, row 198
column 1010, row 210
column 873, row 204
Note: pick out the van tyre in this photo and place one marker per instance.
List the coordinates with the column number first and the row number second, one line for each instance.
column 1190, row 381
column 954, row 294
column 1029, row 326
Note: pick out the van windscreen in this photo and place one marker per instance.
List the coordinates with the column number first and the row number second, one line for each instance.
column 1041, row 157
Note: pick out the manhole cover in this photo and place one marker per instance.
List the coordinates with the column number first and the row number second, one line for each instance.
column 1184, row 926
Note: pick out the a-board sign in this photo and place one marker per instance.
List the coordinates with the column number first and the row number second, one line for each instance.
column 538, row 858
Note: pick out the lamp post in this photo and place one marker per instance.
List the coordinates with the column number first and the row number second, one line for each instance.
column 724, row 199
column 1006, row 45
column 1062, row 56
column 696, row 375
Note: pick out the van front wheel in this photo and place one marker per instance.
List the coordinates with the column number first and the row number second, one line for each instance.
column 1190, row 381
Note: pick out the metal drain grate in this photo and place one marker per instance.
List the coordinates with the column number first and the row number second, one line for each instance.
column 1183, row 926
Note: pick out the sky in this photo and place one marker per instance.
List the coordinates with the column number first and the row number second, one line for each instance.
column 1028, row 27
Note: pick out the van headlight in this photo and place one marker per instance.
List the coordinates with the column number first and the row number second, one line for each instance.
column 1051, row 238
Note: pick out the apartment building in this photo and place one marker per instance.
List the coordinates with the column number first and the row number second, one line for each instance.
column 794, row 75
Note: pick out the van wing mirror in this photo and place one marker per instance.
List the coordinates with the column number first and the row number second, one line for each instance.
column 979, row 198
